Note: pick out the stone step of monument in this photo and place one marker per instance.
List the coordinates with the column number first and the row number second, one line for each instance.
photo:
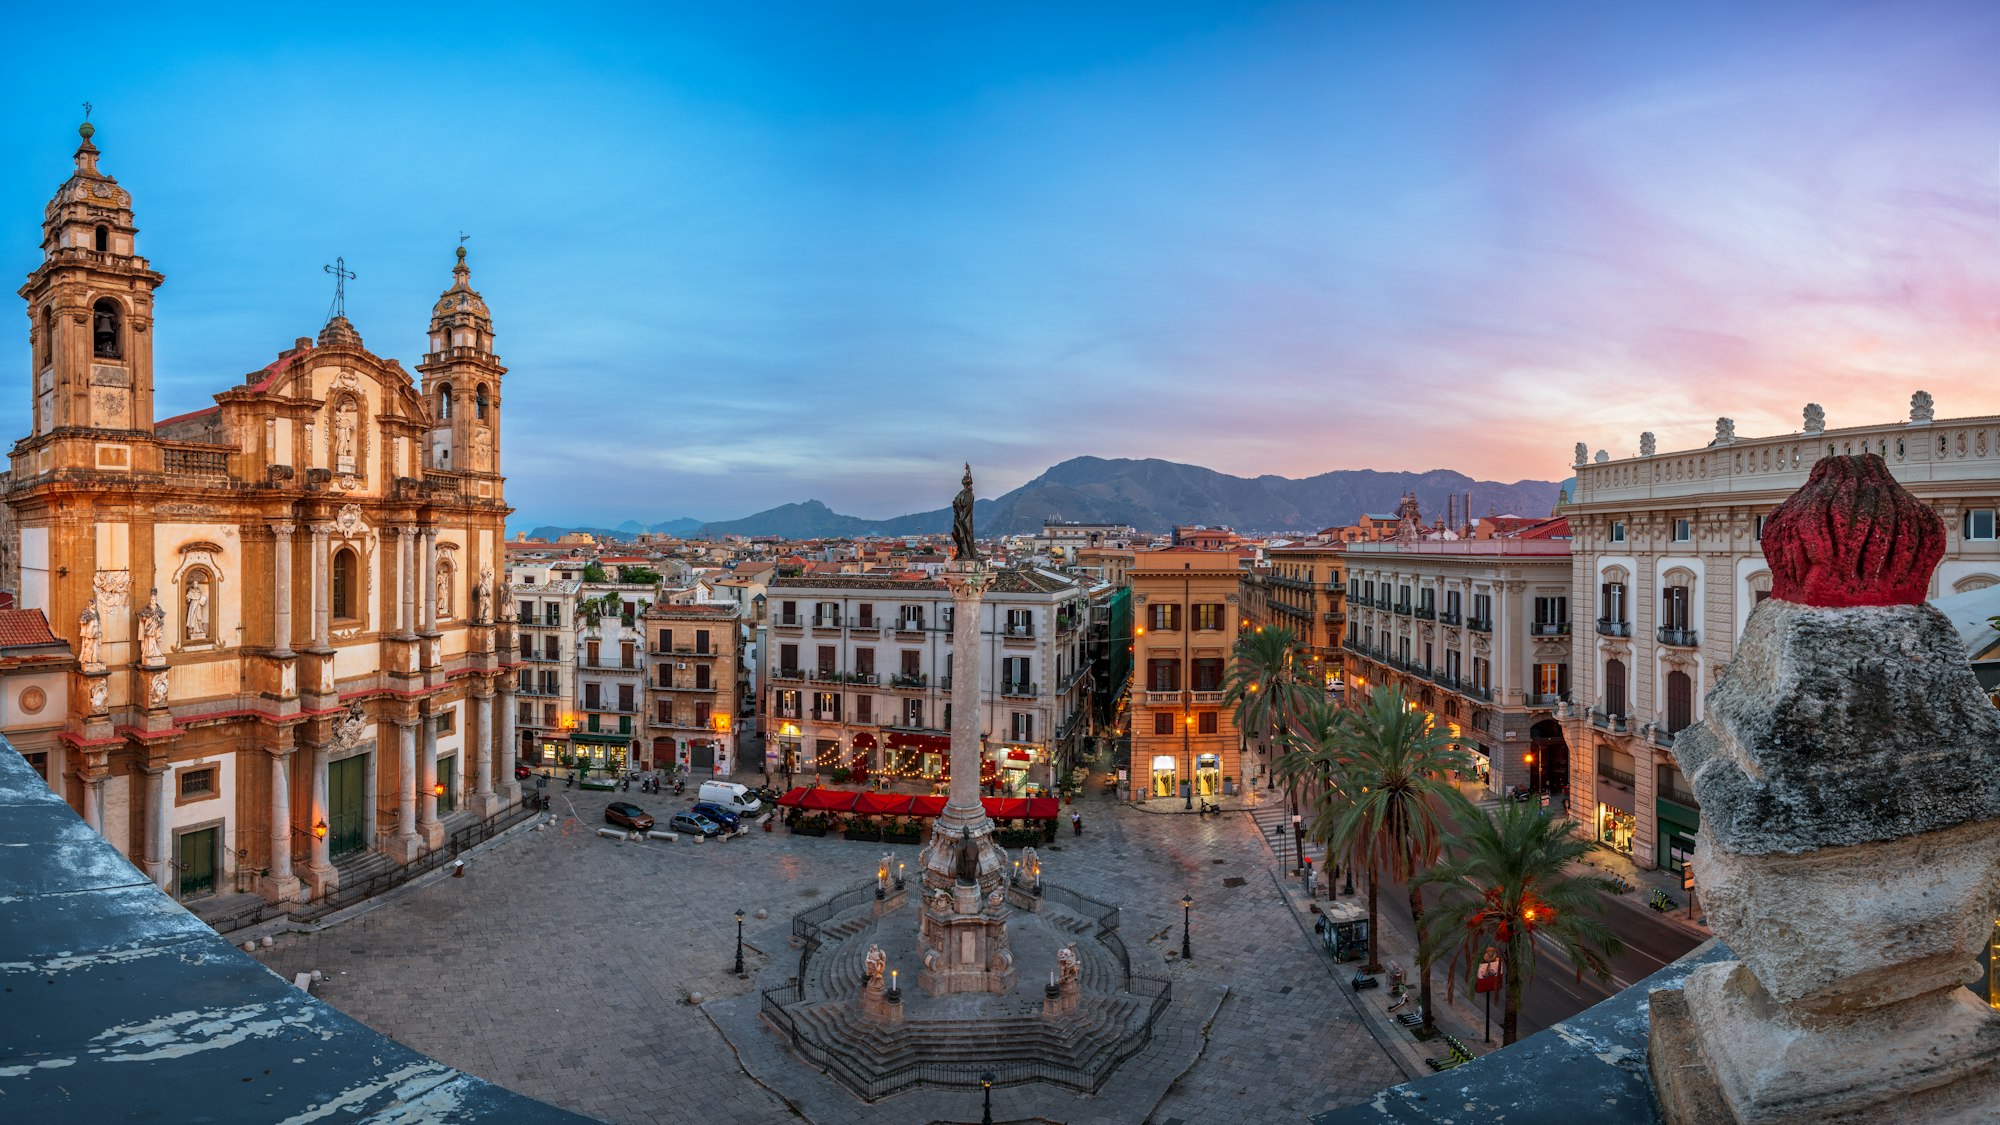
column 1091, row 1035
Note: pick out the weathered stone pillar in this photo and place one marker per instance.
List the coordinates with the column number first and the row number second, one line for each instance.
column 159, row 853
column 428, row 581
column 509, row 748
column 406, row 571
column 319, row 874
column 281, row 607
column 322, row 590
column 93, row 803
column 485, row 801
column 1848, row 769
column 406, row 846
column 281, row 885
column 427, row 797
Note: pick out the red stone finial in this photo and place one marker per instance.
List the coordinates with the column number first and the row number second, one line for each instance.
column 1852, row 536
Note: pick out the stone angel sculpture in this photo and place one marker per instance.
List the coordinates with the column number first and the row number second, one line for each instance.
column 874, row 967
column 1069, row 965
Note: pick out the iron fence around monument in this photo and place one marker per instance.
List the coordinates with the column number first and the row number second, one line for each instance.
column 809, row 925
column 1086, row 1075
column 1100, row 914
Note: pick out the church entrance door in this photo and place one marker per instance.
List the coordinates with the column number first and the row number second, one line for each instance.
column 346, row 796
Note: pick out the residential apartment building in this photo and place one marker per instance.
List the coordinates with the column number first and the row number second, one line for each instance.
column 545, row 617
column 610, row 674
column 1303, row 588
column 1477, row 634
column 858, row 675
column 696, row 686
column 1668, row 563
column 1187, row 612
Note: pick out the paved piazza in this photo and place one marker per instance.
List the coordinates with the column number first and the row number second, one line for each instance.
column 560, row 966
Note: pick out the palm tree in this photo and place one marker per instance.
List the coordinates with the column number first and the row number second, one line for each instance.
column 1386, row 812
column 1262, row 686
column 1507, row 883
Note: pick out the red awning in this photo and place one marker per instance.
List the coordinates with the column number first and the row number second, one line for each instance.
column 1043, row 808
column 828, row 800
column 883, row 804
column 794, row 798
column 926, row 806
column 1006, row 808
column 1014, row 755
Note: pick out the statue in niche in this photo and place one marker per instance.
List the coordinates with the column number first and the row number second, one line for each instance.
column 874, row 967
column 89, row 631
column 964, row 549
column 197, row 607
column 152, row 621
column 344, row 427
column 968, row 863
column 443, row 590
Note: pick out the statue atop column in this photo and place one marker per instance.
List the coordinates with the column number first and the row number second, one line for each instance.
column 963, row 547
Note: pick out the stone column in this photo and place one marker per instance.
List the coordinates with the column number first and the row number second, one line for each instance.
column 509, row 748
column 93, row 803
column 428, row 580
column 281, row 609
column 406, row 608
column 281, row 885
column 370, row 821
column 485, row 801
column 319, row 873
column 322, row 590
column 159, row 855
column 406, row 846
column 968, row 588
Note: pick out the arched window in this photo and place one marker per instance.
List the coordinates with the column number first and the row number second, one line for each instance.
column 1614, row 687
column 444, row 402
column 346, row 583
column 1680, row 701
column 107, row 330
column 103, row 238
column 479, row 402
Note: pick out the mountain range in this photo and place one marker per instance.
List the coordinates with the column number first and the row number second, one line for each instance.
column 1151, row 495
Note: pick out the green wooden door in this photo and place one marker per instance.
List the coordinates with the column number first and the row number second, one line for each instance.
column 347, row 796
column 448, row 777
column 197, row 863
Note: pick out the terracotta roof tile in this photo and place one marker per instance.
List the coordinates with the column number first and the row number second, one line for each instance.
column 26, row 628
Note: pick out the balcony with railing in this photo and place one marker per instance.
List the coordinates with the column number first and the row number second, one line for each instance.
column 1479, row 624
column 1451, row 617
column 1550, row 629
column 1019, row 690
column 1545, row 699
column 908, row 681
column 788, row 673
column 1206, row 698
column 1403, row 608
column 826, row 621
column 1615, row 775
column 788, row 621
column 1678, row 636
column 1483, row 694
column 1616, row 724
column 1017, row 632
column 1426, row 613
column 1609, row 628
column 195, row 461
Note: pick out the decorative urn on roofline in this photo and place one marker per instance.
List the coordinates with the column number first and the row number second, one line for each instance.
column 1848, row 769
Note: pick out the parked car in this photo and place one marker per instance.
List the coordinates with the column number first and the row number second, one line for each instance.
column 729, row 795
column 695, row 823
column 523, row 771
column 628, row 815
column 716, row 813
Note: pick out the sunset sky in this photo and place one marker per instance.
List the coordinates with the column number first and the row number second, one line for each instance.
column 740, row 255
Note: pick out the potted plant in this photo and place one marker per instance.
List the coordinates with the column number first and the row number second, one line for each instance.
column 864, row 828
column 841, row 774
column 902, row 831
column 814, row 825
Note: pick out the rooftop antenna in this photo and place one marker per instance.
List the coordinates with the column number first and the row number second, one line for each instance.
column 341, row 276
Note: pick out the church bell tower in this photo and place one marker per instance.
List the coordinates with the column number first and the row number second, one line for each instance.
column 90, row 308
column 462, row 380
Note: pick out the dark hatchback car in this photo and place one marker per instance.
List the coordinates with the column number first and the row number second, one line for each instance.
column 716, row 813
column 629, row 815
column 695, row 823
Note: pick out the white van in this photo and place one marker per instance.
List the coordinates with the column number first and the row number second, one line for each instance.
column 731, row 796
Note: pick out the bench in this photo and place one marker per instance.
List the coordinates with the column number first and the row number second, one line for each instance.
column 1456, row 1056
column 669, row 837
column 303, row 982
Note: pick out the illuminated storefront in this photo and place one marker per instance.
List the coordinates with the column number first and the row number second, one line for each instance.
column 1165, row 776
column 1616, row 828
column 1207, row 775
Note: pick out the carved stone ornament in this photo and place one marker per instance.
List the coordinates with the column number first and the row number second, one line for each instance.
column 1725, row 431
column 1852, row 537
column 156, row 690
column 1582, row 454
column 100, row 695
column 349, row 522
column 1923, row 408
column 347, row 729
column 113, row 588
column 1815, row 418
column 1648, row 444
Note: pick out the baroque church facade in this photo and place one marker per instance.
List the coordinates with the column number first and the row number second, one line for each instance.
column 289, row 659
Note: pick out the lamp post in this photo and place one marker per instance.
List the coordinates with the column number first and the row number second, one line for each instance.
column 1187, row 913
column 986, row 1093
column 739, row 943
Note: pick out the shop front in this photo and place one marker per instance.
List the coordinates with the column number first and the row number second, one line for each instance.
column 1166, row 776
column 1207, row 775
column 1617, row 826
column 1016, row 770
column 1676, row 834
column 600, row 752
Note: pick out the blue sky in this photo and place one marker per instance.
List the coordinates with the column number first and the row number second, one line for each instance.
column 740, row 255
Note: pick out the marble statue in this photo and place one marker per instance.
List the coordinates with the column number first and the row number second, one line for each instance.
column 483, row 610
column 1725, row 431
column 197, row 608
column 1815, row 418
column 1648, row 444
column 1069, row 966
column 344, row 430
column 963, row 547
column 443, row 594
column 1031, row 866
column 1582, row 454
column 151, row 620
column 88, row 633
column 1923, row 408
column 874, row 967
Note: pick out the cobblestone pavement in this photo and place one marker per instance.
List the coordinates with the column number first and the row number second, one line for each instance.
column 560, row 966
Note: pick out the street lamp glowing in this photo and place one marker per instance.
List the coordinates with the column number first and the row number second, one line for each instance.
column 438, row 789
column 319, row 829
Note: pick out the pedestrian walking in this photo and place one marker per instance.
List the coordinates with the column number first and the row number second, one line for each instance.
column 1076, row 822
